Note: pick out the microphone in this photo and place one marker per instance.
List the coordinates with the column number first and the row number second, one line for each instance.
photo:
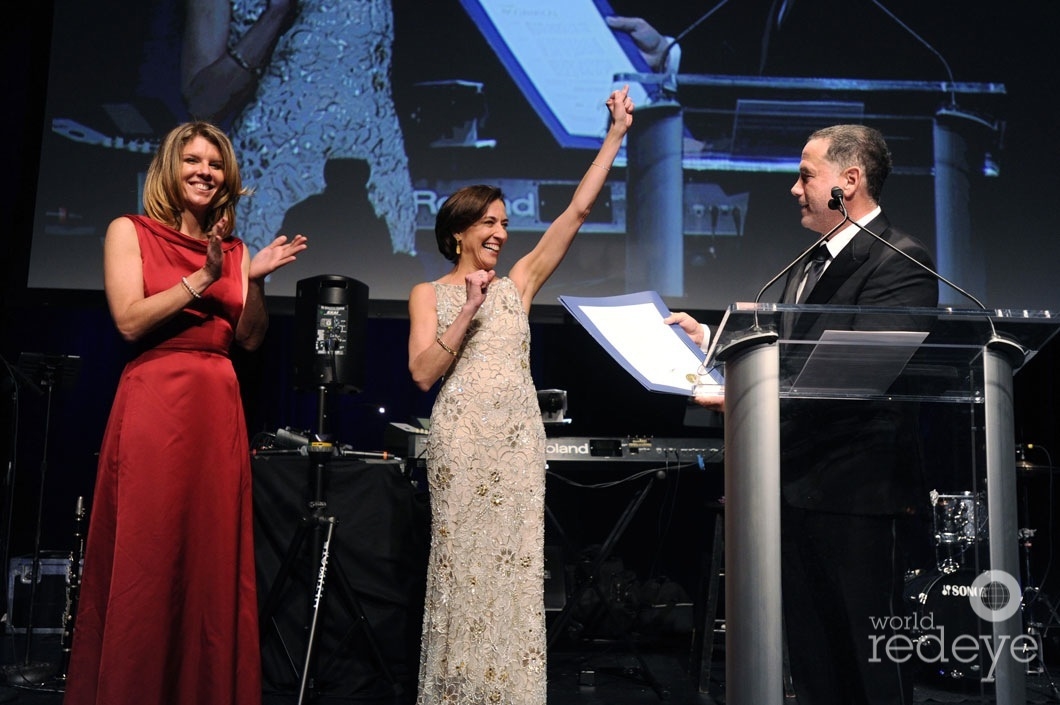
column 369, row 454
column 289, row 439
column 836, row 203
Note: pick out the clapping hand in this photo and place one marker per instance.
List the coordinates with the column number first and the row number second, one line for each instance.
column 276, row 254
column 214, row 237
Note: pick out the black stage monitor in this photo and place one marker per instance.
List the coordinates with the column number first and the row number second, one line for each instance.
column 330, row 316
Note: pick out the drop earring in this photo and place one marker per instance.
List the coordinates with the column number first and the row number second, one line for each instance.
column 458, row 247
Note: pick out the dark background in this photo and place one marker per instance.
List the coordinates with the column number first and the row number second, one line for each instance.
column 1014, row 212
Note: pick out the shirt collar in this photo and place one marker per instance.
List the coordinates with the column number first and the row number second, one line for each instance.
column 844, row 236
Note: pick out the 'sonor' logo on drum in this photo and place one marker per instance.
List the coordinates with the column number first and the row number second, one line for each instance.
column 994, row 595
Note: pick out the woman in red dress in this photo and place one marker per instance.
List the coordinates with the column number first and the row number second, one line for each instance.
column 168, row 608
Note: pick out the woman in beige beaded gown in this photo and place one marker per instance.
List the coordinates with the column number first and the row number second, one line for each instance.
column 484, row 618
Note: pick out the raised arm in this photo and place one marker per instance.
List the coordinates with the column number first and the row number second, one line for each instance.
column 532, row 271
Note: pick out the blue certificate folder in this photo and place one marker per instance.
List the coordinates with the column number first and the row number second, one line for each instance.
column 629, row 327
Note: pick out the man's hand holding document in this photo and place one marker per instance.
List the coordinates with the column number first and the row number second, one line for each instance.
column 636, row 331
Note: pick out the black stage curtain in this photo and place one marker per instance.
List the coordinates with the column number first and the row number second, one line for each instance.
column 367, row 634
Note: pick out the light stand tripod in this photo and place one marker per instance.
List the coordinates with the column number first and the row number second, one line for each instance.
column 322, row 525
column 48, row 371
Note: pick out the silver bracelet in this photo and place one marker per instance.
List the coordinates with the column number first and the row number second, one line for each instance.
column 190, row 289
column 234, row 54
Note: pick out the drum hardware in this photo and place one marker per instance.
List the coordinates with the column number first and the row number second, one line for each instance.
column 1033, row 599
column 959, row 524
column 948, row 565
column 1026, row 540
column 960, row 519
column 939, row 599
column 1027, row 467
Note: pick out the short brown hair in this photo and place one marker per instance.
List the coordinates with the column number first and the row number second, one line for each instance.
column 461, row 210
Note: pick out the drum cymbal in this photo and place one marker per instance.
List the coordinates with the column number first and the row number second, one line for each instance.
column 1028, row 468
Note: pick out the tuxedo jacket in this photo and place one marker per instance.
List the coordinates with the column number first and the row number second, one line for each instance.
column 857, row 457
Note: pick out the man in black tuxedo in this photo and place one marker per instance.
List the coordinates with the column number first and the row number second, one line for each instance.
column 850, row 470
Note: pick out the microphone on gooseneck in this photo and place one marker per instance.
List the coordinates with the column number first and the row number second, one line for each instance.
column 798, row 259
column 670, row 85
column 1016, row 352
column 836, row 201
column 836, row 204
column 794, row 262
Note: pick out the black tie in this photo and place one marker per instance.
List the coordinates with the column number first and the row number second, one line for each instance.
column 813, row 272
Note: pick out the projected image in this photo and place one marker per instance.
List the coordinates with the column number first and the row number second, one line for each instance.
column 354, row 121
column 303, row 88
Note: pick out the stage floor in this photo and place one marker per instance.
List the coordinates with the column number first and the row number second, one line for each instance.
column 590, row 673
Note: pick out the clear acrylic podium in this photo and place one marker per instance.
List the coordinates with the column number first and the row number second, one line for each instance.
column 939, row 356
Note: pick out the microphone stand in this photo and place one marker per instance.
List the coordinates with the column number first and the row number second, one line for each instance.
column 669, row 86
column 50, row 371
column 757, row 335
column 836, row 204
column 18, row 379
column 817, row 243
column 1015, row 352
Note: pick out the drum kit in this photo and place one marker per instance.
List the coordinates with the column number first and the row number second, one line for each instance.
column 941, row 597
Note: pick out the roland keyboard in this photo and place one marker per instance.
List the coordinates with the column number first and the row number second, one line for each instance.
column 633, row 449
column 611, row 449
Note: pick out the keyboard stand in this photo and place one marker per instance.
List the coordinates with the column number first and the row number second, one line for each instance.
column 591, row 582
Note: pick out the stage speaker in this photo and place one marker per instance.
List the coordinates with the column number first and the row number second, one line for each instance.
column 331, row 314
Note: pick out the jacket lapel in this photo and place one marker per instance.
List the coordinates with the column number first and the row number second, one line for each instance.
column 847, row 262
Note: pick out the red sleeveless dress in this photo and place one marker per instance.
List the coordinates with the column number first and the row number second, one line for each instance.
column 168, row 606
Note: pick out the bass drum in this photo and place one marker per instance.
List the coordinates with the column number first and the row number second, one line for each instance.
column 942, row 609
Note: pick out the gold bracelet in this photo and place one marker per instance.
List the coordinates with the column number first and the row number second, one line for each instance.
column 444, row 346
column 188, row 288
column 601, row 167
